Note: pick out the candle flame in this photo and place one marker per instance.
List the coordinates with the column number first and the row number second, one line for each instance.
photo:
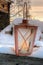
column 24, row 46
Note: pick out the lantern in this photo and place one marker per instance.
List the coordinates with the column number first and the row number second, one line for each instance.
column 24, row 36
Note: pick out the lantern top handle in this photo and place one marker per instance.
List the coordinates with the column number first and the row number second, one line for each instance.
column 25, row 13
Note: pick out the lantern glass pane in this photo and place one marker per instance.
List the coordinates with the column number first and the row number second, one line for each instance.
column 25, row 39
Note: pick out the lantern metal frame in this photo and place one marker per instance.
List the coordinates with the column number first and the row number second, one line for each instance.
column 23, row 26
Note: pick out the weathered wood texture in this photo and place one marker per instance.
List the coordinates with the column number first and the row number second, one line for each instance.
column 6, row 59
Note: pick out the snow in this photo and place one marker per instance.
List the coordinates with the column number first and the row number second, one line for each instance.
column 39, row 43
column 38, row 53
column 7, row 50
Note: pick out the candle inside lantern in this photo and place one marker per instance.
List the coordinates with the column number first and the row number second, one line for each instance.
column 24, row 48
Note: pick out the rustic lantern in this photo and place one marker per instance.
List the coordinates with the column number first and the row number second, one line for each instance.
column 24, row 36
